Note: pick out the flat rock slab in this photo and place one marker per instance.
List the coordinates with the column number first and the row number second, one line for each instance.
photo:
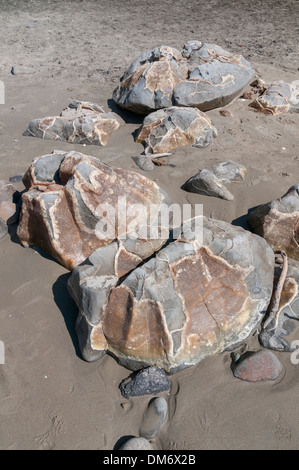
column 148, row 381
column 284, row 328
column 173, row 127
column 137, row 443
column 153, row 418
column 278, row 98
column 80, row 123
column 258, row 366
column 97, row 204
column 200, row 295
column 212, row 181
column 21, row 70
column 204, row 76
column 278, row 222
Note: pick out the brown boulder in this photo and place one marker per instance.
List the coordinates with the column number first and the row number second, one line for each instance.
column 258, row 367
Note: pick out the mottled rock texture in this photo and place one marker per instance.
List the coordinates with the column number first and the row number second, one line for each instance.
column 80, row 123
column 258, row 366
column 204, row 76
column 203, row 293
column 212, row 181
column 76, row 203
column 173, row 127
column 279, row 98
column 148, row 381
column 284, row 328
column 278, row 222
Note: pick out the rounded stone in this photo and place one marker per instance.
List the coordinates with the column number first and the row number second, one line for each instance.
column 154, row 418
column 258, row 367
column 137, row 443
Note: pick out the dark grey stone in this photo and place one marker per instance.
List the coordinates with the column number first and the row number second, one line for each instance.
column 148, row 381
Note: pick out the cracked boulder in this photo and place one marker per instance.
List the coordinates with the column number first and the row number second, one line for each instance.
column 80, row 123
column 173, row 127
column 204, row 76
column 284, row 328
column 212, row 181
column 76, row 203
column 278, row 98
column 278, row 222
column 202, row 294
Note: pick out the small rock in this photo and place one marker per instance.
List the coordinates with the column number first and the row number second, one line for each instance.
column 3, row 228
column 148, row 381
column 7, row 191
column 154, row 418
column 20, row 69
column 258, row 367
column 137, row 443
column 16, row 178
column 225, row 113
column 144, row 163
column 247, row 95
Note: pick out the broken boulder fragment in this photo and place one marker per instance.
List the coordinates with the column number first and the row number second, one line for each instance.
column 173, row 127
column 278, row 98
column 147, row 381
column 201, row 294
column 211, row 182
column 284, row 328
column 278, row 222
column 75, row 204
column 204, row 76
column 80, row 123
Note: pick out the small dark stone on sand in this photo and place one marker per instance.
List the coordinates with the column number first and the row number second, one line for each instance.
column 148, row 381
column 16, row 178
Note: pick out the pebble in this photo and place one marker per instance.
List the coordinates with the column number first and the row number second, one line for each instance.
column 148, row 381
column 3, row 228
column 8, row 212
column 137, row 443
column 16, row 178
column 153, row 418
column 258, row 366
column 20, row 69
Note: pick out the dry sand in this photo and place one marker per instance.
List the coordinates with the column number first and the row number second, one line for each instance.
column 49, row 397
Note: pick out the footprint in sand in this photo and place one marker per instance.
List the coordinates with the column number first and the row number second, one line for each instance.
column 47, row 441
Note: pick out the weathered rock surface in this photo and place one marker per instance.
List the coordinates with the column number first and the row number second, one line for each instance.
column 279, row 98
column 258, row 367
column 80, row 123
column 76, row 204
column 137, row 443
column 148, row 381
column 204, row 76
column 211, row 182
column 278, row 222
column 202, row 294
column 8, row 209
column 284, row 328
column 173, row 127
column 7, row 191
column 22, row 70
column 153, row 418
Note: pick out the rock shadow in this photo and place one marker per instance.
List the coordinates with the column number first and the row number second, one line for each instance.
column 242, row 221
column 127, row 116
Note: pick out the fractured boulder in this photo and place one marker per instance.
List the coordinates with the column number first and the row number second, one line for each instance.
column 279, row 98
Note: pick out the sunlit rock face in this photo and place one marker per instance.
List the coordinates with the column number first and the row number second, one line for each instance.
column 204, row 76
column 198, row 296
column 80, row 123
column 76, row 203
column 169, row 128
column 279, row 98
column 278, row 222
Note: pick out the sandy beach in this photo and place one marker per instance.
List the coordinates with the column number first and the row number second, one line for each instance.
column 50, row 398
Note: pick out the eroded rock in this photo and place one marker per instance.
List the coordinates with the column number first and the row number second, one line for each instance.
column 278, row 222
column 204, row 76
column 148, row 381
column 80, row 123
column 278, row 98
column 211, row 182
column 205, row 292
column 76, row 204
column 173, row 127
column 284, row 328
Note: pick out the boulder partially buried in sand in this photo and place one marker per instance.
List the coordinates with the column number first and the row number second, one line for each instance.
column 278, row 222
column 204, row 76
column 212, row 181
column 80, row 123
column 279, row 98
column 76, row 203
column 203, row 293
column 173, row 127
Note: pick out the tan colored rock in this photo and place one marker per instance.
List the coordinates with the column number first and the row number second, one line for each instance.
column 173, row 127
column 279, row 98
column 278, row 222
column 7, row 211
column 80, row 123
column 76, row 203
